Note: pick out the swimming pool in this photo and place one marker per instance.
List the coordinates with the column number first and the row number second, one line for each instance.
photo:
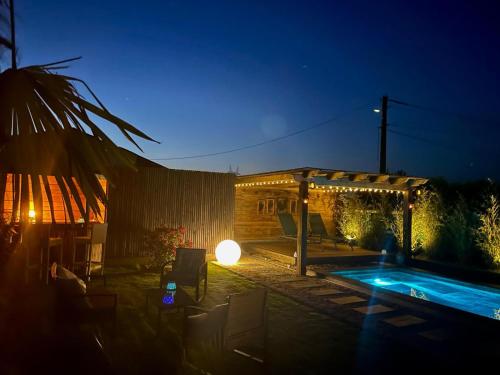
column 473, row 298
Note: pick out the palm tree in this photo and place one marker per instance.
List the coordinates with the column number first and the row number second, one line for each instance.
column 47, row 129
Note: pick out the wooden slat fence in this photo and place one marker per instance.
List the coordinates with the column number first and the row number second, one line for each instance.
column 203, row 202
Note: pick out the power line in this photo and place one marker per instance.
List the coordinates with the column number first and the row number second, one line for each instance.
column 452, row 155
column 421, row 139
column 297, row 132
column 420, row 127
column 464, row 116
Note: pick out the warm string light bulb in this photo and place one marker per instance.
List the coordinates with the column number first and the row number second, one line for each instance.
column 263, row 183
column 322, row 188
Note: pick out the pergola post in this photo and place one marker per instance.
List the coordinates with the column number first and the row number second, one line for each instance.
column 302, row 227
column 407, row 213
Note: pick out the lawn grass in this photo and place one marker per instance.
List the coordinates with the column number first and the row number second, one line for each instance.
column 301, row 340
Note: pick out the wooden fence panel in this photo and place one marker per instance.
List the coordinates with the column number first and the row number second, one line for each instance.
column 203, row 202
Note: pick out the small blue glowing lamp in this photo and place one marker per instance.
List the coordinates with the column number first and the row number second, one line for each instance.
column 168, row 299
column 171, row 286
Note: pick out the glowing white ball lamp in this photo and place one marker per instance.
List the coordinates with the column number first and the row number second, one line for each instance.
column 228, row 252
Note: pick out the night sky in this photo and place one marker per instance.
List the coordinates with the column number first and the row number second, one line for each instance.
column 208, row 76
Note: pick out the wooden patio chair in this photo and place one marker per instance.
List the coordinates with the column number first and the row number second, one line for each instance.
column 189, row 268
column 94, row 251
column 239, row 326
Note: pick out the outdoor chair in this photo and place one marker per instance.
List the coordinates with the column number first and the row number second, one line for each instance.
column 290, row 229
column 76, row 304
column 318, row 228
column 188, row 269
column 288, row 225
column 94, row 251
column 238, row 326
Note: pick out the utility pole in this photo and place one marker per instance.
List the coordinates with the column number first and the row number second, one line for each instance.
column 383, row 136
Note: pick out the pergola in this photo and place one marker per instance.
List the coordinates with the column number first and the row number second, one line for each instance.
column 333, row 180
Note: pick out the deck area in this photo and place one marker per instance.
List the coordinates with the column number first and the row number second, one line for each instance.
column 317, row 253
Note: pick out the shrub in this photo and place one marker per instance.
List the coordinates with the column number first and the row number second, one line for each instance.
column 456, row 241
column 162, row 242
column 375, row 233
column 426, row 222
column 354, row 220
column 488, row 232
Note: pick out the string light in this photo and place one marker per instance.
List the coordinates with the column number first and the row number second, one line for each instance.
column 322, row 188
column 263, row 183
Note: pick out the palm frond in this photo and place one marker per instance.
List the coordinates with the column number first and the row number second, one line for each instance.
column 47, row 129
column 5, row 37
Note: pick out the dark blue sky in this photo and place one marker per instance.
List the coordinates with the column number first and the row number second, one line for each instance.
column 206, row 76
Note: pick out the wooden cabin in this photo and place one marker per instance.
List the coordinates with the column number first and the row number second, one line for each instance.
column 260, row 200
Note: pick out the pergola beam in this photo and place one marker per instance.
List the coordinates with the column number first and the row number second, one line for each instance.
column 358, row 177
column 398, row 180
column 415, row 182
column 309, row 173
column 380, row 178
column 335, row 175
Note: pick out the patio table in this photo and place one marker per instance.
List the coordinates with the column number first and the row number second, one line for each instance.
column 164, row 300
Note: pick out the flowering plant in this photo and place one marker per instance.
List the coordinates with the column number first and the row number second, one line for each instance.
column 162, row 242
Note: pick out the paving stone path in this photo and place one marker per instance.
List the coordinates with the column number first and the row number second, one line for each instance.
column 391, row 318
column 341, row 302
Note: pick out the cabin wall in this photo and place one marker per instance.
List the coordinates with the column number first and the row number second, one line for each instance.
column 254, row 223
column 202, row 202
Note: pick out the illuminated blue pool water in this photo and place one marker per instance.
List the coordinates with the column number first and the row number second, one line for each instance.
column 476, row 299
